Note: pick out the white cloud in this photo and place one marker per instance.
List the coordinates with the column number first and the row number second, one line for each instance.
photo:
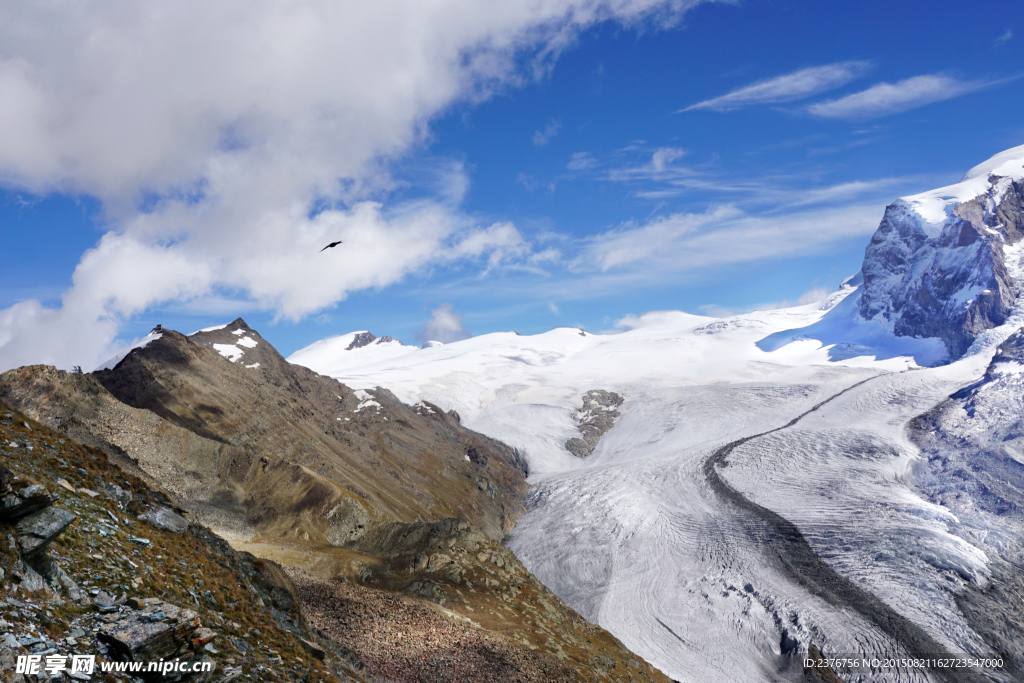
column 1005, row 37
column 812, row 296
column 884, row 99
column 541, row 138
column 31, row 334
column 228, row 121
column 649, row 319
column 787, row 88
column 661, row 167
column 527, row 181
column 581, row 161
column 663, row 157
column 500, row 242
column 445, row 325
column 722, row 235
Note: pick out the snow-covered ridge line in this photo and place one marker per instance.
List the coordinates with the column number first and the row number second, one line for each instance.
column 935, row 206
column 543, row 376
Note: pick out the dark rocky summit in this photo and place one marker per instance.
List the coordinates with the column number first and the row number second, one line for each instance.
column 360, row 340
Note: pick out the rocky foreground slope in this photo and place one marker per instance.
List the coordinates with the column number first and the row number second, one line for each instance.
column 104, row 581
column 390, row 516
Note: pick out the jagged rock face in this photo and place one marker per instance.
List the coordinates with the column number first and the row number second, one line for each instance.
column 1010, row 350
column 360, row 340
column 936, row 266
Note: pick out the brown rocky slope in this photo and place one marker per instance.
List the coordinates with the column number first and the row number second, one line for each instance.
column 92, row 582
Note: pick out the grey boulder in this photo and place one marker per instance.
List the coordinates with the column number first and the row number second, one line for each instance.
column 36, row 531
column 166, row 519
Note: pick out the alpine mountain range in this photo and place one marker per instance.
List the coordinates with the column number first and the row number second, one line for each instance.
column 691, row 499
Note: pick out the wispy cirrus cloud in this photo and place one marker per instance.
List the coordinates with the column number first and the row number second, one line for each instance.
column 1007, row 34
column 660, row 176
column 790, row 87
column 660, row 168
column 582, row 161
column 885, row 99
column 723, row 235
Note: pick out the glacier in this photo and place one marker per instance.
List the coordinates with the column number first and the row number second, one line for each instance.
column 743, row 435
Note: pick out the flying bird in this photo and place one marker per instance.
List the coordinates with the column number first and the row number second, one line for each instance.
column 333, row 244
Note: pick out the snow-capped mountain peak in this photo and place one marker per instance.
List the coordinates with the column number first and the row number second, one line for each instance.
column 1007, row 164
column 940, row 263
column 991, row 179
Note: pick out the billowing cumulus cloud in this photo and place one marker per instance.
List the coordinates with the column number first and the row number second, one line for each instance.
column 445, row 325
column 210, row 130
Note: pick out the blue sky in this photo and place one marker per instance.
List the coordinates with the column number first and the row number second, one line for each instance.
column 523, row 169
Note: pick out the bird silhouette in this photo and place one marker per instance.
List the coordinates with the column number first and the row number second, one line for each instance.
column 333, row 244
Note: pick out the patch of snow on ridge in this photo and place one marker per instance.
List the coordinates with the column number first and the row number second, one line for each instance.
column 142, row 343
column 365, row 401
column 248, row 342
column 229, row 351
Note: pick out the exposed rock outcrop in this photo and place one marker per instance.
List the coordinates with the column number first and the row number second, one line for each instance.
column 151, row 630
column 936, row 266
column 37, row 531
column 595, row 418
column 166, row 519
column 26, row 501
column 360, row 340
